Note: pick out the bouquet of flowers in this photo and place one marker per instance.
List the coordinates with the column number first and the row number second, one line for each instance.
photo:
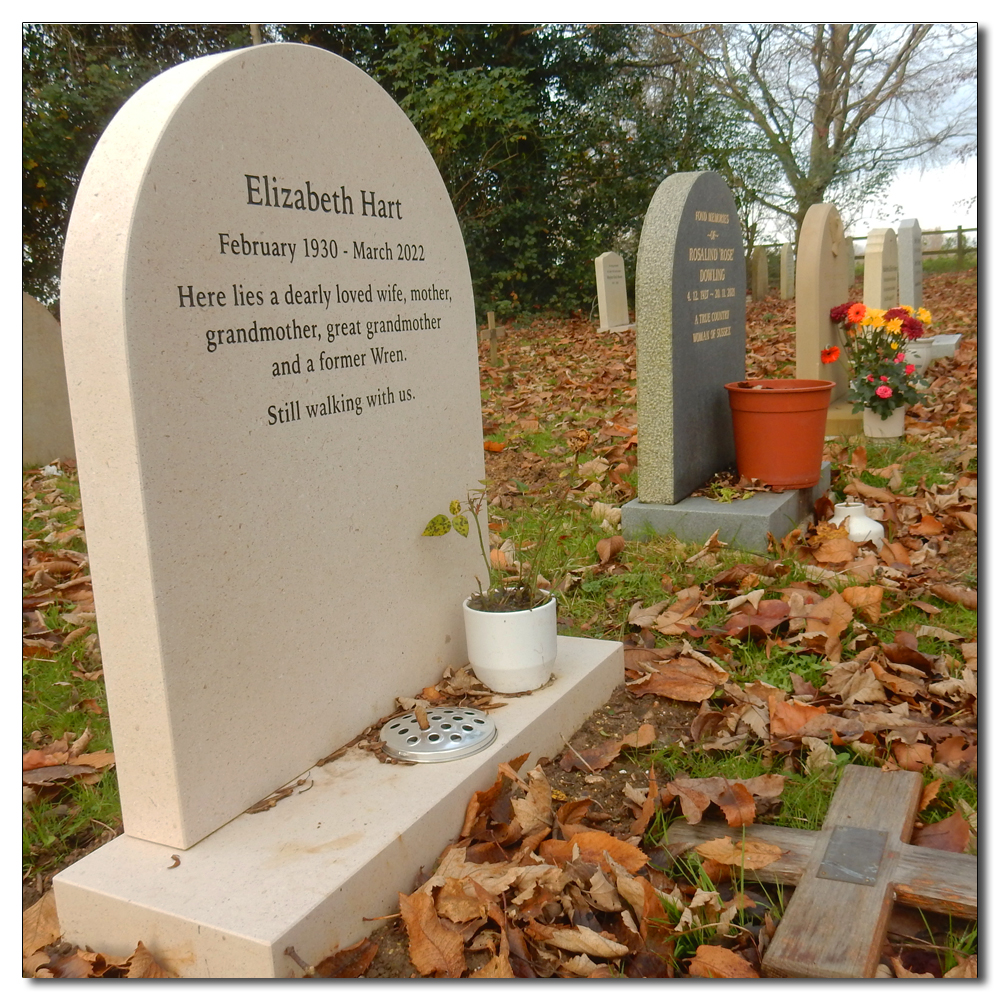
column 875, row 342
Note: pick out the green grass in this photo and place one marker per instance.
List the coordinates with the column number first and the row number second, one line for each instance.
column 948, row 263
column 57, row 704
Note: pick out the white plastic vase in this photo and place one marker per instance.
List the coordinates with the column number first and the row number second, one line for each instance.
column 511, row 651
column 919, row 353
column 860, row 527
column 891, row 426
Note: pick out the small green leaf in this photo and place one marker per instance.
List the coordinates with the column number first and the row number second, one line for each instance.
column 439, row 525
column 454, row 507
column 461, row 524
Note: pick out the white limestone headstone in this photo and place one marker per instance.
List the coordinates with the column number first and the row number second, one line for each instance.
column 787, row 271
column 758, row 274
column 881, row 286
column 612, row 292
column 46, row 427
column 821, row 282
column 268, row 323
column 909, row 246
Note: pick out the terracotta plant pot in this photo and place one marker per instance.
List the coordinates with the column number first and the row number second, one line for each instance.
column 779, row 429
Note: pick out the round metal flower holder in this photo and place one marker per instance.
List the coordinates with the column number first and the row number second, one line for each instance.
column 453, row 733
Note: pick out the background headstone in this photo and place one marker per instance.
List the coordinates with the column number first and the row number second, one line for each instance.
column 758, row 274
column 909, row 247
column 691, row 334
column 268, row 322
column 46, row 427
column 821, row 282
column 612, row 292
column 787, row 271
column 881, row 287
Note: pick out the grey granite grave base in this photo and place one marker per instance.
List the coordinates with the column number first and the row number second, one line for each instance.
column 743, row 524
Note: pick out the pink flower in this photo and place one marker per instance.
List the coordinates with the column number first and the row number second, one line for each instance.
column 910, row 369
column 884, row 391
column 900, row 358
column 871, row 378
column 884, row 378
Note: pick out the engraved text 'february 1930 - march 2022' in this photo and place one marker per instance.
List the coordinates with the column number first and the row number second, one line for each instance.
column 353, row 309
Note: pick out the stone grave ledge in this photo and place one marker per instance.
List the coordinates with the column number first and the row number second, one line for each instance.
column 305, row 873
column 944, row 345
column 743, row 524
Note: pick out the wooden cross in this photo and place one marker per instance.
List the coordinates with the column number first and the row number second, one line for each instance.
column 848, row 874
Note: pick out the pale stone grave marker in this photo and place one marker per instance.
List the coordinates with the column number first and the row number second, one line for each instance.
column 881, row 287
column 909, row 248
column 787, row 271
column 612, row 293
column 691, row 334
column 268, row 314
column 823, row 276
column 46, row 427
column 758, row 274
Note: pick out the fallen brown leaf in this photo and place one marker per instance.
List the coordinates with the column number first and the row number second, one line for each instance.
column 749, row 853
column 433, row 946
column 350, row 963
column 142, row 965
column 712, row 962
column 957, row 595
column 39, row 925
column 950, row 834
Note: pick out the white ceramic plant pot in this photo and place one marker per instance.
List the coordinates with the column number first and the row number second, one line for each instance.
column 511, row 651
column 860, row 527
column 884, row 427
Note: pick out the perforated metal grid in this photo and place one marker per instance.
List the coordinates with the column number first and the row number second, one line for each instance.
column 454, row 733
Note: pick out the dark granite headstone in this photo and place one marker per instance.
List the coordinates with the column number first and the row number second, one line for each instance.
column 691, row 334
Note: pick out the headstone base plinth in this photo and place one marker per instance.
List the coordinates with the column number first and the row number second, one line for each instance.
column 743, row 524
column 616, row 329
column 307, row 872
column 840, row 420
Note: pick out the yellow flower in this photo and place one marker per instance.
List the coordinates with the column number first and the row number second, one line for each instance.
column 907, row 309
column 924, row 316
column 875, row 318
column 894, row 326
column 895, row 344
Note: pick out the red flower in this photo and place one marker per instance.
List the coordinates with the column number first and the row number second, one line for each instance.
column 884, row 378
column 829, row 354
column 910, row 369
column 871, row 378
